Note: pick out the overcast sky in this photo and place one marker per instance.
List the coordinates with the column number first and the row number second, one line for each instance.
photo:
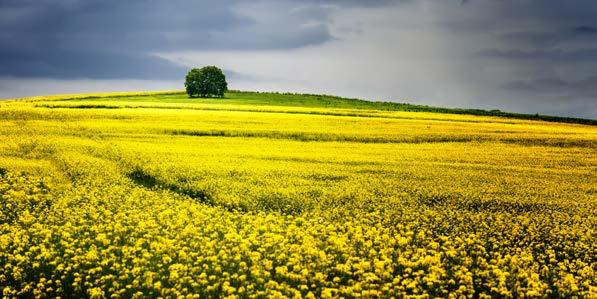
column 534, row 56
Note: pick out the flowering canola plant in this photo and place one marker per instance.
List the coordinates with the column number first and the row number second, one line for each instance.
column 156, row 195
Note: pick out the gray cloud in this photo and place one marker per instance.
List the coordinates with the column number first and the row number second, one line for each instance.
column 583, row 88
column 543, row 56
column 586, row 30
column 78, row 63
column 115, row 39
column 579, row 35
column 568, row 97
column 543, row 52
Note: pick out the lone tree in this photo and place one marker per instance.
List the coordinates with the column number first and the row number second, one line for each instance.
column 206, row 81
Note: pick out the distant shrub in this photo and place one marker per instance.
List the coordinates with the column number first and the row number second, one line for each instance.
column 206, row 81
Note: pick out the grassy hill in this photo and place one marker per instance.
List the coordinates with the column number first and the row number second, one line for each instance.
column 318, row 101
column 265, row 195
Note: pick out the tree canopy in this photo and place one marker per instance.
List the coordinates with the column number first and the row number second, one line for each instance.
column 206, row 82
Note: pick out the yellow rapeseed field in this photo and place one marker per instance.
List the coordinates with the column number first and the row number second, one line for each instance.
column 160, row 196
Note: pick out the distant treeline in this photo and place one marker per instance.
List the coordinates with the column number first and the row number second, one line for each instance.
column 340, row 102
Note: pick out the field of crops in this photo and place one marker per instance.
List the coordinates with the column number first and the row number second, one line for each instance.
column 269, row 195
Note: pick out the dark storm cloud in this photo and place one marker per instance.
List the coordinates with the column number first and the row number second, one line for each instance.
column 551, row 38
column 549, row 48
column 558, row 96
column 586, row 30
column 544, row 56
column 78, row 63
column 114, row 39
column 584, row 88
column 160, row 25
